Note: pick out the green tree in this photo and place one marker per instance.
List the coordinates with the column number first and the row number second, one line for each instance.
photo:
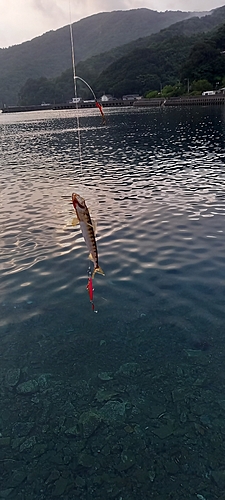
column 199, row 86
column 205, row 62
column 172, row 90
column 152, row 94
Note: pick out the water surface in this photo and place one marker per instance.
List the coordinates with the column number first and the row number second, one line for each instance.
column 154, row 183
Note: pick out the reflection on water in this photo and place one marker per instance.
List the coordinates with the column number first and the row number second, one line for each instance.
column 148, row 366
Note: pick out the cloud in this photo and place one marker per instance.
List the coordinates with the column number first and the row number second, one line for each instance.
column 23, row 20
column 90, row 7
column 53, row 9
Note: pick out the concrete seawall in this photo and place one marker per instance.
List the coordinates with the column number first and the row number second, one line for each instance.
column 114, row 103
column 119, row 103
column 182, row 101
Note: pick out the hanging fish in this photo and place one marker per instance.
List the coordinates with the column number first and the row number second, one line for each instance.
column 99, row 106
column 87, row 228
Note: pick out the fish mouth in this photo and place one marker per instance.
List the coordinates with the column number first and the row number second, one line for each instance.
column 77, row 200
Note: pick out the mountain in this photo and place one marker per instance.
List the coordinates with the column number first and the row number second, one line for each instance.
column 181, row 52
column 184, row 31
column 206, row 59
column 50, row 54
column 164, row 58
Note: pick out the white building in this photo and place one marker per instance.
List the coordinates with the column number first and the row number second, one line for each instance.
column 106, row 97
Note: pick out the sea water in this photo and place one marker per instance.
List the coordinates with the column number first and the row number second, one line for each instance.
column 127, row 402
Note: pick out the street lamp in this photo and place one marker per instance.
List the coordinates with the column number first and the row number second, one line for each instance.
column 188, row 84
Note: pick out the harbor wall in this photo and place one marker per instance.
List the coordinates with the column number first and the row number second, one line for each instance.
column 118, row 103
column 182, row 101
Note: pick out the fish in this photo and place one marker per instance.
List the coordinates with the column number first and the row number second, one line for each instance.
column 87, row 229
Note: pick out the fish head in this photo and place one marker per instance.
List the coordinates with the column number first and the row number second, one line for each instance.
column 78, row 202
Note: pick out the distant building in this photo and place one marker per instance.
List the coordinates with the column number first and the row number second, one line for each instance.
column 131, row 97
column 106, row 97
column 210, row 92
column 75, row 100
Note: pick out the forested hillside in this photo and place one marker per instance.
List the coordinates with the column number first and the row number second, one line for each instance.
column 166, row 58
column 171, row 61
column 50, row 54
column 146, row 69
column 101, row 71
column 207, row 58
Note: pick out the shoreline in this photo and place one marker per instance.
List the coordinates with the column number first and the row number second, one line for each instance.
column 144, row 102
column 181, row 101
column 81, row 105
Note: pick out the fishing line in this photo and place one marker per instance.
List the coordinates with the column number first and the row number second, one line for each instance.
column 75, row 87
column 92, row 237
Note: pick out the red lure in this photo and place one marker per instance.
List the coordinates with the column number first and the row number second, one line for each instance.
column 99, row 106
column 90, row 290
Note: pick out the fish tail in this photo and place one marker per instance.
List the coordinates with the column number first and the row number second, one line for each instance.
column 99, row 270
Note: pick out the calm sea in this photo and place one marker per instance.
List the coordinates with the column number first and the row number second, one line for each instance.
column 127, row 402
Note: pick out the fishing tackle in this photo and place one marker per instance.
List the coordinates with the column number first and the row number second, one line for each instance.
column 90, row 290
column 97, row 104
column 78, row 202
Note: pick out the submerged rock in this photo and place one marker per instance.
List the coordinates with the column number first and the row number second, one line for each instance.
column 129, row 429
column 39, row 449
column 22, row 429
column 29, row 443
column 54, row 475
column 88, row 423
column 197, row 356
column 81, row 388
column 151, row 475
column 28, row 387
column 6, row 493
column 178, row 394
column 12, row 377
column 4, row 441
column 60, row 486
column 192, row 353
column 105, row 376
column 103, row 395
column 219, row 478
column 113, row 411
column 171, row 467
column 43, row 380
column 129, row 369
column 221, row 402
column 165, row 430
column 72, row 431
column 17, row 478
column 86, row 459
column 127, row 461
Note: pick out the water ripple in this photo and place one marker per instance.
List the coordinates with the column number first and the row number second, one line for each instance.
column 153, row 181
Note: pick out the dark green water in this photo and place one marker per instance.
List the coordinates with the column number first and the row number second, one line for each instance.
column 129, row 402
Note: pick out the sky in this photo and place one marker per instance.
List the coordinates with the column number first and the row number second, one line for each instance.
column 22, row 20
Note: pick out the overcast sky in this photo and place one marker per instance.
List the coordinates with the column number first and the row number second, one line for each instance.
column 22, row 20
